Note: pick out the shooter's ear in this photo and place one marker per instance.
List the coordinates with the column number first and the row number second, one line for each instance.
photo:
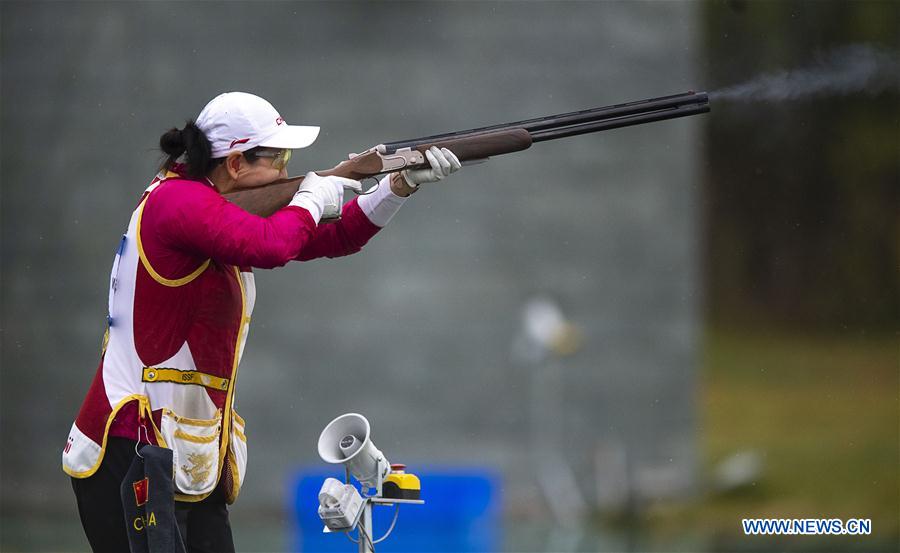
column 233, row 164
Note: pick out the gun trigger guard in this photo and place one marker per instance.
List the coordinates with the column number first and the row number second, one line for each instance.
column 370, row 190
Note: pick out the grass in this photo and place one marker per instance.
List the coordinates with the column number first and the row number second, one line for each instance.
column 824, row 413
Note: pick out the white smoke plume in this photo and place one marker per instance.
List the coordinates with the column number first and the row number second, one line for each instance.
column 857, row 68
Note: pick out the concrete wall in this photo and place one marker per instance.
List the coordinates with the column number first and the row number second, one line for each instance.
column 416, row 331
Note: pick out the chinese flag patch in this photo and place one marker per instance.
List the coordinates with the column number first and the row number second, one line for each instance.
column 141, row 491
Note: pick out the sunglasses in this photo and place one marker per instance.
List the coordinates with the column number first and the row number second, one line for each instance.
column 280, row 158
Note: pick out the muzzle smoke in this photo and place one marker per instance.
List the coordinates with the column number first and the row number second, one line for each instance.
column 857, row 68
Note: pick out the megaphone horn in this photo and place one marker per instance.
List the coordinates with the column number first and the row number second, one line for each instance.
column 346, row 440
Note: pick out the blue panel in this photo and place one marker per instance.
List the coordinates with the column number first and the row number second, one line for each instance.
column 461, row 513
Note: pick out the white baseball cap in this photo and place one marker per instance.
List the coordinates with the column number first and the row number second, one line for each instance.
column 238, row 121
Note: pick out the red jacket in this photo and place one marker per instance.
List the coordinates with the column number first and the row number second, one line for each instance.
column 181, row 297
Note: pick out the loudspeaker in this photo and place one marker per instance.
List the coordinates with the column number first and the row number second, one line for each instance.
column 347, row 440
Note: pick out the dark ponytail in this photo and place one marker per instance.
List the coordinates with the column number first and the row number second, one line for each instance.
column 191, row 141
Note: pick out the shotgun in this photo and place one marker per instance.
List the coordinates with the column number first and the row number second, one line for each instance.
column 475, row 145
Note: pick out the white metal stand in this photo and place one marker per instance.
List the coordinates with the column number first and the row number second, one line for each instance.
column 366, row 539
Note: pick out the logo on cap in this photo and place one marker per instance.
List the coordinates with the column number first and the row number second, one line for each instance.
column 239, row 141
column 279, row 120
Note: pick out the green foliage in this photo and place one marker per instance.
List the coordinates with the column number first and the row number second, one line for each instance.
column 823, row 411
column 802, row 195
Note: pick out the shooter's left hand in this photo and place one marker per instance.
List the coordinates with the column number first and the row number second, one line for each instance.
column 443, row 163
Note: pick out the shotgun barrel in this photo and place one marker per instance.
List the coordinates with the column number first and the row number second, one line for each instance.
column 551, row 127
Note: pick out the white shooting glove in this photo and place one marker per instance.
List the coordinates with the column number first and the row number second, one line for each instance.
column 443, row 163
column 323, row 196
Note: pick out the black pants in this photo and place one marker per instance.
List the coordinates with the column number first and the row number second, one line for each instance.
column 204, row 525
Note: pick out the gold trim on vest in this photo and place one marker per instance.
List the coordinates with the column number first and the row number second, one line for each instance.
column 170, row 282
column 178, row 376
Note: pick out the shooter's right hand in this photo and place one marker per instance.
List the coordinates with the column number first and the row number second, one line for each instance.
column 323, row 196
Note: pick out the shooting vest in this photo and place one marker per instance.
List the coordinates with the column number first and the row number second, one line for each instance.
column 172, row 348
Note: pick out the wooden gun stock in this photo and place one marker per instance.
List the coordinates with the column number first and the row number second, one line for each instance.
column 266, row 200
